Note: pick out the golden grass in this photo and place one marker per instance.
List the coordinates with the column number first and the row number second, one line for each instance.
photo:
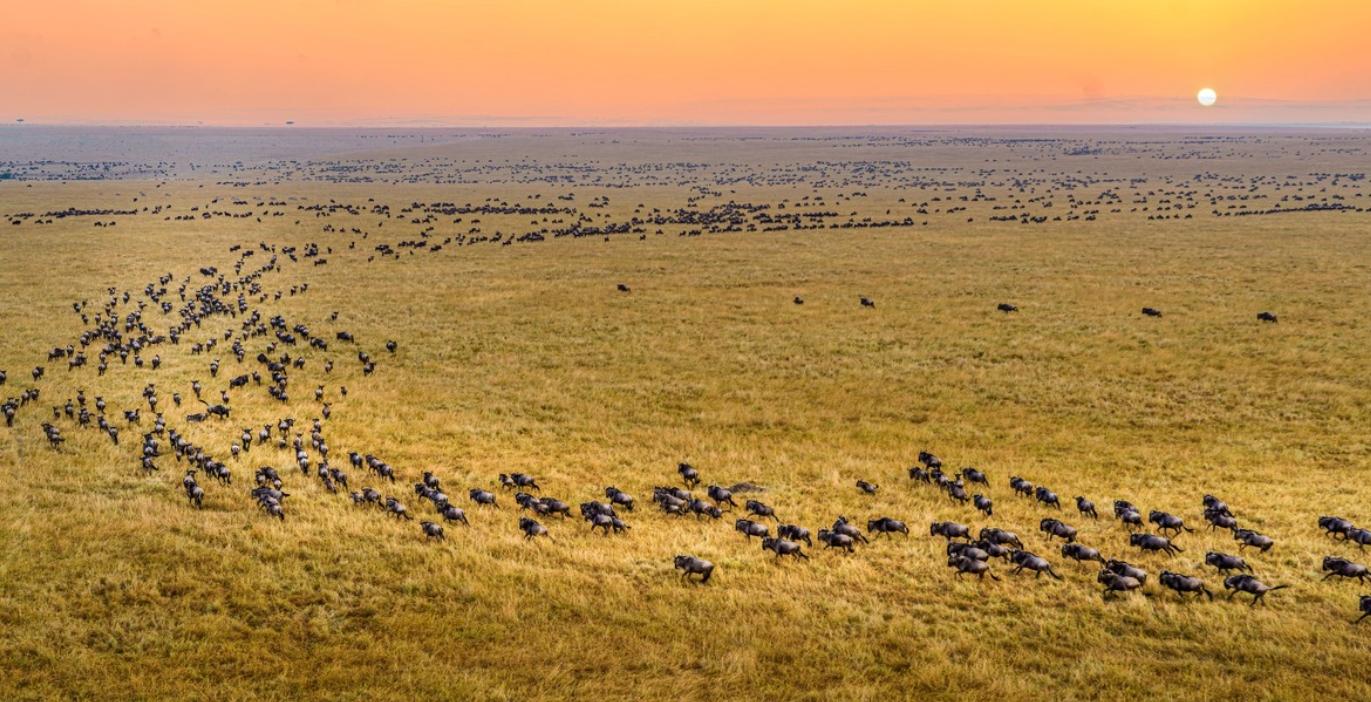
column 525, row 358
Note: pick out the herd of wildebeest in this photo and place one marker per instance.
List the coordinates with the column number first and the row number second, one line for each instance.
column 121, row 330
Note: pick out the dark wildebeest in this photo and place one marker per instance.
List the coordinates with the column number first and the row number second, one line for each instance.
column 1047, row 497
column 1151, row 312
column 841, row 526
column 1225, row 563
column 835, row 540
column 432, row 531
column 757, row 508
column 973, row 475
column 1336, row 526
column 964, row 565
column 1266, row 316
column 866, row 487
column 1185, row 583
column 794, row 533
column 1344, row 568
column 720, row 495
column 996, row 535
column 1037, row 564
column 531, row 528
column 1126, row 568
column 1167, row 522
column 1247, row 537
column 1113, row 582
column 1250, row 585
column 688, row 474
column 868, row 302
column 690, row 565
column 886, row 525
column 1057, row 528
column 949, row 530
column 1365, row 608
column 983, row 504
column 1152, row 542
column 1086, row 507
column 783, row 548
column 750, row 528
column 1081, row 552
column 1006, row 308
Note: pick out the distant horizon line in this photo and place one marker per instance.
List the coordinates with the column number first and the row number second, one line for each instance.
column 292, row 124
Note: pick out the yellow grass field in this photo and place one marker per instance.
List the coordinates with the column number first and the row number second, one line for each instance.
column 525, row 357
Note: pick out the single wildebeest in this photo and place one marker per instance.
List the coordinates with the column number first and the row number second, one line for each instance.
column 1081, row 552
column 1047, row 497
column 886, row 525
column 1185, row 583
column 482, row 497
column 1214, row 503
column 1365, row 608
column 1126, row 568
column 867, row 302
column 950, row 530
column 1021, row 486
column 757, row 508
column 783, row 548
column 929, row 460
column 454, row 514
column 799, row 300
column 622, row 287
column 975, row 476
column 1057, row 528
column 794, row 533
column 688, row 474
column 1218, row 519
column 1344, row 568
column 1037, row 564
column 1167, row 522
column 996, row 535
column 690, row 565
column 720, row 495
column 1359, row 536
column 993, row 550
column 1151, row 312
column 1250, row 585
column 964, row 565
column 983, row 504
column 432, row 531
column 531, row 528
column 1266, row 316
column 1336, row 526
column 750, row 528
column 970, row 550
column 1225, row 563
column 1247, row 537
column 1152, row 542
column 1131, row 518
column 1006, row 308
column 619, row 497
column 866, row 487
column 1113, row 582
column 1086, row 507
column 704, row 509
column 835, row 540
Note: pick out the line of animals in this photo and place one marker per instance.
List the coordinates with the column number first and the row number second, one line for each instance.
column 288, row 348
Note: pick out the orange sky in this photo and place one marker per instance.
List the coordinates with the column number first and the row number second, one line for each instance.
column 608, row 62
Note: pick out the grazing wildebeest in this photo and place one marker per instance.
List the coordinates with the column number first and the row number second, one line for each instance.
column 1266, row 316
column 949, row 530
column 1167, row 522
column 1152, row 542
column 886, row 525
column 983, row 504
column 1037, row 564
column 1250, row 585
column 1185, row 583
column 1057, row 528
column 750, row 529
column 1247, row 537
column 783, row 548
column 1151, row 312
column 1113, row 582
column 433, row 531
column 531, row 528
column 1086, row 507
column 1081, row 552
column 760, row 509
column 1225, row 562
column 866, row 487
column 690, row 565
column 1344, row 568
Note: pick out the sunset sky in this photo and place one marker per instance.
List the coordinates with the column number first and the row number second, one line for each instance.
column 672, row 62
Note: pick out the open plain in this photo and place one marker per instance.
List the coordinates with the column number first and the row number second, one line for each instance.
column 494, row 260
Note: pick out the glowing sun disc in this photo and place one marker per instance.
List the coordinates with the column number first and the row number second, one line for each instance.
column 1207, row 97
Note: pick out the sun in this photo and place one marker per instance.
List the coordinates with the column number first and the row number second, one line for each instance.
column 1207, row 97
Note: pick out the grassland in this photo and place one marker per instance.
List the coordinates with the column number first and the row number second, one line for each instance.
column 525, row 357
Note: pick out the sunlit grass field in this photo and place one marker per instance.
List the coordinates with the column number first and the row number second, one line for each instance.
column 526, row 358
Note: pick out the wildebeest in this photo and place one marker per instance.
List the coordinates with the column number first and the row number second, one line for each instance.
column 1081, row 552
column 689, row 474
column 1247, row 537
column 750, row 529
column 1225, row 562
column 866, row 487
column 690, row 565
column 1343, row 568
column 1047, row 497
column 1151, row 312
column 964, row 564
column 842, row 526
column 1152, row 542
column 1250, row 585
column 996, row 535
column 482, row 497
column 782, row 547
column 886, row 525
column 973, row 475
column 833, row 539
column 1167, row 522
column 1006, row 308
column 531, row 528
column 949, row 530
column 1267, row 316
column 1021, row 486
column 1025, row 560
column 1086, row 507
column 1365, row 608
column 1057, row 528
column 1114, row 582
column 1359, row 536
column 1126, row 568
column 983, row 504
column 1335, row 526
column 867, row 302
column 794, row 533
column 1185, row 583
column 720, row 495
column 760, row 509
column 432, row 531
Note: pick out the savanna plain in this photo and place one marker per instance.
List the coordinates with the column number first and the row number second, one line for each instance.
column 494, row 260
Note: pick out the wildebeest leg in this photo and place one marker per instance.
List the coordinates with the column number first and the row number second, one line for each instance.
column 1368, row 614
column 1327, row 577
column 1053, row 573
column 1256, row 598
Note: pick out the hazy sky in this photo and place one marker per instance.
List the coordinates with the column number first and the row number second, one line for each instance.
column 667, row 62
